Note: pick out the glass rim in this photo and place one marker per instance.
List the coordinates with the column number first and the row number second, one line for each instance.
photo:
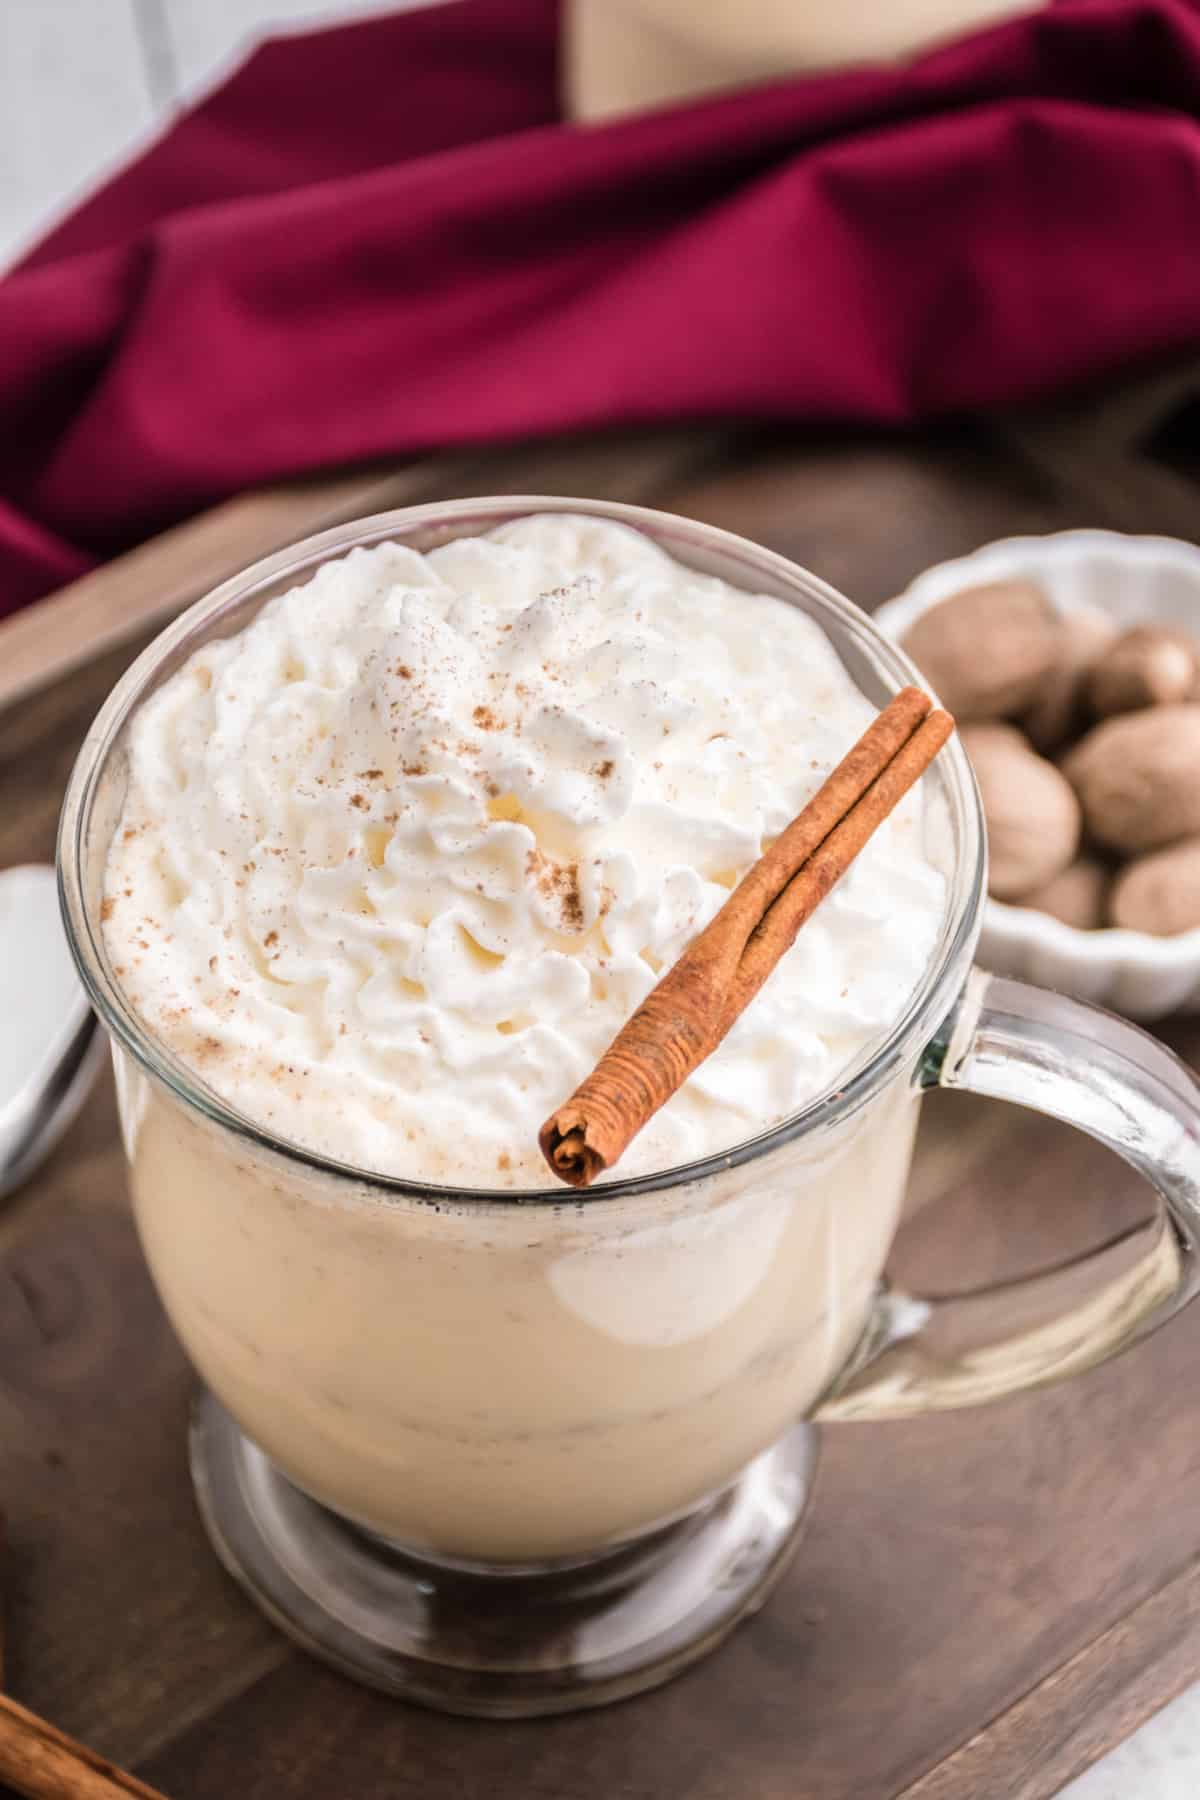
column 925, row 1011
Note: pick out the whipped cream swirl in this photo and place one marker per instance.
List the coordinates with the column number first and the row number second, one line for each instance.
column 398, row 859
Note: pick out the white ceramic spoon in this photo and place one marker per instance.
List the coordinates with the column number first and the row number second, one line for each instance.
column 50, row 1044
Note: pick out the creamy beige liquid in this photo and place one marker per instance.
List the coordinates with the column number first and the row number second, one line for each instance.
column 395, row 922
column 503, row 1383
column 624, row 56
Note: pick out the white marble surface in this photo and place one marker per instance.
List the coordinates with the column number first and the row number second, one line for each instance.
column 1159, row 1762
column 73, row 98
column 84, row 81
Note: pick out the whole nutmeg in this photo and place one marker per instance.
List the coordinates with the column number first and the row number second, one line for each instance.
column 1079, row 896
column 1160, row 893
column 987, row 650
column 993, row 737
column 1150, row 665
column 1138, row 777
column 1060, row 711
column 1032, row 816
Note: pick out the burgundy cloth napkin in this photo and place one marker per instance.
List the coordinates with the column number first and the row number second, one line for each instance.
column 381, row 238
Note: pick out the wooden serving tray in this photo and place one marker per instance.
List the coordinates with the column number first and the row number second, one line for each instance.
column 984, row 1602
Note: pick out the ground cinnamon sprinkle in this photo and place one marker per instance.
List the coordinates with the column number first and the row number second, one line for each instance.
column 685, row 1017
column 558, row 881
column 572, row 903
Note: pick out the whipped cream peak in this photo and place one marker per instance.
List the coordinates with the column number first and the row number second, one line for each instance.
column 398, row 859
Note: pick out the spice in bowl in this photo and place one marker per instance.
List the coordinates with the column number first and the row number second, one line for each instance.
column 1086, row 747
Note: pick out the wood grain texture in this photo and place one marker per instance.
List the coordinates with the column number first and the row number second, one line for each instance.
column 983, row 1601
column 868, row 513
column 1085, row 1708
column 44, row 1764
column 1135, row 448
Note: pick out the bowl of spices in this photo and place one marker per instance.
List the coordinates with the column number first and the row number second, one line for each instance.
column 1072, row 663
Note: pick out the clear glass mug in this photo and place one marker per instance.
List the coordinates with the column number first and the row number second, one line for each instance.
column 513, row 1454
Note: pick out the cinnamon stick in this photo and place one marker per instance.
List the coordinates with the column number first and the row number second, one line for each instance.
column 684, row 1018
column 38, row 1760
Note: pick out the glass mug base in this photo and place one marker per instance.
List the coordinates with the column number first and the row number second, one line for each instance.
column 498, row 1643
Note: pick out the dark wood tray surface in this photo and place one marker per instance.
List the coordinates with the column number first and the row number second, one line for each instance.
column 984, row 1602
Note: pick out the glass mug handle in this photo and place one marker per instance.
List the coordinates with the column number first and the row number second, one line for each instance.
column 1058, row 1056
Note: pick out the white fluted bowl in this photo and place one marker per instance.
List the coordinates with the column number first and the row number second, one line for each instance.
column 1133, row 581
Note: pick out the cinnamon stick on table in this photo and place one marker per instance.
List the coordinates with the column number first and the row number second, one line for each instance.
column 38, row 1760
column 41, row 1762
column 684, row 1018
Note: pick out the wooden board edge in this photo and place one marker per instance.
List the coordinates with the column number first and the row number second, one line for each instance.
column 1100, row 444
column 1106, row 1691
column 130, row 596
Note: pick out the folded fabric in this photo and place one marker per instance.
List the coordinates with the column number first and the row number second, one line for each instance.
column 381, row 238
